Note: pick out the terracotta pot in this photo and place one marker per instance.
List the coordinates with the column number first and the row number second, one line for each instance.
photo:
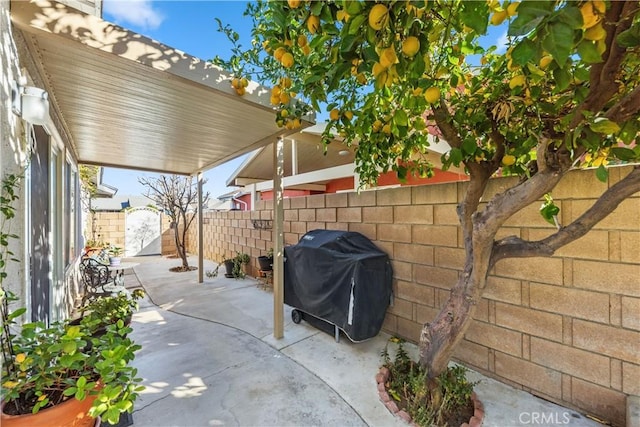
column 70, row 413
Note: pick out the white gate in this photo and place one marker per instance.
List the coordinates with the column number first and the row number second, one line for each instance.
column 142, row 232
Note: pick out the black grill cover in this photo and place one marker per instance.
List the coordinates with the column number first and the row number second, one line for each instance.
column 340, row 277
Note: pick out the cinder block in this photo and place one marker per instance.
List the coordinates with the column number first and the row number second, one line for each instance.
column 364, row 198
column 343, row 226
column 336, row 200
column 495, row 337
column 573, row 302
column 401, row 270
column 449, row 257
column 402, row 308
column 416, row 254
column 439, row 277
column 326, row 215
column 619, row 219
column 593, row 245
column 501, row 289
column 600, row 276
column 435, row 194
column 529, row 321
column 418, row 214
column 307, row 215
column 298, row 202
column 601, row 401
column 631, row 314
column 620, row 343
column 445, row 215
column 377, row 215
column 544, row 270
column 474, row 354
column 426, row 314
column 631, row 379
column 369, row 230
column 316, row 201
column 575, row 362
column 630, row 246
column 633, row 411
column 394, row 196
column 437, row 235
column 420, row 294
column 349, row 214
column 291, row 215
column 394, row 232
column 538, row 378
column 409, row 329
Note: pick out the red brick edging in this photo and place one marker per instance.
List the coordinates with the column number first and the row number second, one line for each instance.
column 383, row 375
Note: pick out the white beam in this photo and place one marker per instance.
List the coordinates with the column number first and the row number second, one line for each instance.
column 335, row 172
column 200, row 232
column 278, row 240
column 294, row 157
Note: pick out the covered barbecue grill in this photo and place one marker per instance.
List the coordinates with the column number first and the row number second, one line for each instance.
column 340, row 280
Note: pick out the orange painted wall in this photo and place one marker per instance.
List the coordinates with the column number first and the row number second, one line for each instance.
column 390, row 178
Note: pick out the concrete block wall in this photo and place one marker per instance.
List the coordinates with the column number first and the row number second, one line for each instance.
column 110, row 227
column 566, row 328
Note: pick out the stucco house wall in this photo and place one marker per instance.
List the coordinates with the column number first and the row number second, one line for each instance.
column 566, row 328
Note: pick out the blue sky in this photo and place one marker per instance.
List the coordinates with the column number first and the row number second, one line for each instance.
column 189, row 26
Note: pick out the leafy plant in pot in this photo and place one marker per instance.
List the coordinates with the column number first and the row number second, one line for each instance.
column 105, row 311
column 49, row 368
column 234, row 267
column 114, row 255
column 266, row 261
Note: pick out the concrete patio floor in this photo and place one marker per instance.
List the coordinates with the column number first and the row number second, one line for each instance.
column 209, row 358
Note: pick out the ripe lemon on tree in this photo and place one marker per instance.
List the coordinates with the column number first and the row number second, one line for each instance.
column 410, row 46
column 334, row 114
column 388, row 57
column 499, row 17
column 432, row 94
column 508, row 159
column 302, row 40
column 287, row 60
column 516, row 81
column 597, row 32
column 293, row 4
column 512, row 9
column 313, row 24
column 378, row 17
column 278, row 53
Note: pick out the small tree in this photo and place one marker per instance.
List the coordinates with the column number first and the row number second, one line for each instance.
column 177, row 196
column 397, row 75
column 89, row 189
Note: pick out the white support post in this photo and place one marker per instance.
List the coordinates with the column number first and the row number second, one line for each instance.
column 200, row 232
column 294, row 157
column 278, row 240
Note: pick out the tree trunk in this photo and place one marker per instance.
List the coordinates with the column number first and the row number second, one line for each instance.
column 439, row 339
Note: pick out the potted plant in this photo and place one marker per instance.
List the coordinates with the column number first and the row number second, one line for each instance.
column 266, row 261
column 233, row 266
column 114, row 255
column 104, row 311
column 49, row 369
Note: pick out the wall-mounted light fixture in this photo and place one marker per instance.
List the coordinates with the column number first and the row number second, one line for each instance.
column 30, row 103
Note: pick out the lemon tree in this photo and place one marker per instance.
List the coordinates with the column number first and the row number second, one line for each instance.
column 563, row 93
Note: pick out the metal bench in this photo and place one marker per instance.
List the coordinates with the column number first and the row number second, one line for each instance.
column 96, row 278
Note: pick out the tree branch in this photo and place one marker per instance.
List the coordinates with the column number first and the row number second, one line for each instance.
column 443, row 120
column 514, row 247
column 627, row 108
column 603, row 76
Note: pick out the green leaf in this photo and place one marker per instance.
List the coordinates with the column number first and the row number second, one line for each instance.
column 602, row 173
column 355, row 24
column 475, row 14
column 524, row 52
column 400, row 118
column 589, row 52
column 571, row 16
column 631, row 37
column 353, row 8
column 530, row 14
column 69, row 347
column 562, row 78
column 455, row 156
column 604, row 126
column 630, row 131
column 623, row 153
column 469, row 146
column 558, row 42
column 316, row 7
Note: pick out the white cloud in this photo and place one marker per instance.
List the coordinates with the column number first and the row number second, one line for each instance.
column 502, row 42
column 136, row 12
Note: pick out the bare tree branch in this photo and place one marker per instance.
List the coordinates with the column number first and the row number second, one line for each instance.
column 514, row 247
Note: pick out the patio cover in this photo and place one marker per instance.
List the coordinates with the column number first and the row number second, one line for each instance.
column 129, row 101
